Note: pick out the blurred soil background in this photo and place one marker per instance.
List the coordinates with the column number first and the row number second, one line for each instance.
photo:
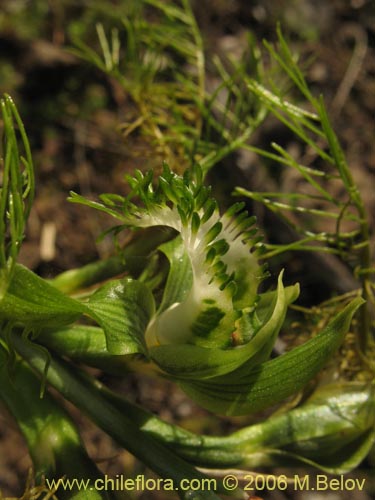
column 72, row 114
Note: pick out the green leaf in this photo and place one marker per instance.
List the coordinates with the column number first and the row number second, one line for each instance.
column 85, row 344
column 260, row 388
column 32, row 302
column 123, row 309
column 187, row 361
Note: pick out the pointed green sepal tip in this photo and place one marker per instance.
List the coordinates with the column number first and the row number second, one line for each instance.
column 273, row 381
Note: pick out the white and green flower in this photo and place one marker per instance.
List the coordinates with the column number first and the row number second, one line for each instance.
column 211, row 331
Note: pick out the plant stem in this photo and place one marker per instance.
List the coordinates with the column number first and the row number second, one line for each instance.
column 365, row 337
column 133, row 259
column 53, row 441
column 343, row 410
column 89, row 400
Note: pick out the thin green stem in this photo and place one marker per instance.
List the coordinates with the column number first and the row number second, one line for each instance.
column 365, row 337
column 199, row 55
column 16, row 191
column 134, row 259
column 282, row 161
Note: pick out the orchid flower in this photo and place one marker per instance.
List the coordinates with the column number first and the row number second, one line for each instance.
column 211, row 320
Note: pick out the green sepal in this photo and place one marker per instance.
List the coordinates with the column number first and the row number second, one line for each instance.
column 123, row 309
column 180, row 277
column 240, row 394
column 31, row 301
column 265, row 309
column 198, row 322
column 192, row 362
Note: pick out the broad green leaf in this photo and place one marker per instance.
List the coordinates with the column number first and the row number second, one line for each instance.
column 261, row 387
column 123, row 309
column 187, row 361
column 32, row 302
column 86, row 344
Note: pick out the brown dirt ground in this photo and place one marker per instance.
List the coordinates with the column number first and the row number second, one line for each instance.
column 88, row 155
